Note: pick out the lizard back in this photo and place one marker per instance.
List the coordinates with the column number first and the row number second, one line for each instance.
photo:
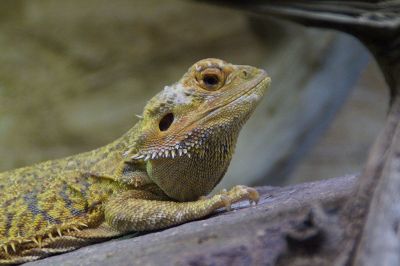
column 46, row 199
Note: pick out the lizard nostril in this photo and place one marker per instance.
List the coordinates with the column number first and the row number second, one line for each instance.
column 166, row 121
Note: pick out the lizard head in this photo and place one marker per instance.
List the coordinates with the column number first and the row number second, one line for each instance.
column 189, row 129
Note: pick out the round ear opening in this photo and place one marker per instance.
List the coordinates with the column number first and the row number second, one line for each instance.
column 166, row 121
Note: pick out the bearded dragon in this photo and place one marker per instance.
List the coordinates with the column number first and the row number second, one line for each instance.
column 155, row 176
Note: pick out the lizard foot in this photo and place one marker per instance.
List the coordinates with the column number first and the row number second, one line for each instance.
column 236, row 194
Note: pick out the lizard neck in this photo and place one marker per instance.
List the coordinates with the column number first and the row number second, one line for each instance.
column 198, row 172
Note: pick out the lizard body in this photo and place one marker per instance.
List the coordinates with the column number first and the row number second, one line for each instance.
column 154, row 176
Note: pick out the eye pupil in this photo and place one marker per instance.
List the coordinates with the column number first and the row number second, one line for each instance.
column 210, row 80
column 166, row 121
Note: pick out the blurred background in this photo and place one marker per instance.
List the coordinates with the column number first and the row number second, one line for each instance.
column 74, row 74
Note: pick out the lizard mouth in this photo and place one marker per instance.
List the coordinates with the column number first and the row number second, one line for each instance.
column 196, row 137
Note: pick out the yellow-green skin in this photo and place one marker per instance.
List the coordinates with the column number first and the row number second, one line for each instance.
column 154, row 176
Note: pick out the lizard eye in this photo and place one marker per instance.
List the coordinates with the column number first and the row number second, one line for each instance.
column 166, row 121
column 211, row 79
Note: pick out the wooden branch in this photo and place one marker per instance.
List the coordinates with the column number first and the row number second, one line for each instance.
column 358, row 17
column 380, row 240
column 260, row 235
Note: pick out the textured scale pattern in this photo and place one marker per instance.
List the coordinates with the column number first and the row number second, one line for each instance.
column 155, row 176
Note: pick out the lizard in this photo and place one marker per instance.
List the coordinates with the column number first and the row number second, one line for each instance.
column 157, row 175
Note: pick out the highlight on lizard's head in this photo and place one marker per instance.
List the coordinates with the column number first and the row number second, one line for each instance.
column 205, row 108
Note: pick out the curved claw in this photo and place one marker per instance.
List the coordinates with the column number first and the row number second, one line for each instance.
column 238, row 193
column 253, row 195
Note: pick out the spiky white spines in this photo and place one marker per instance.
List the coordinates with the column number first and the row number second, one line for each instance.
column 194, row 142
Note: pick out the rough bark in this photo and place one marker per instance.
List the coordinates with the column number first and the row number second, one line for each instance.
column 380, row 242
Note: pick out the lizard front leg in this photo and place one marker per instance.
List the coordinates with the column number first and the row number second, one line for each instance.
column 136, row 210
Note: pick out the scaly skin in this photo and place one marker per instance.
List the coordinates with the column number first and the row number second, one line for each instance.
column 154, row 176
